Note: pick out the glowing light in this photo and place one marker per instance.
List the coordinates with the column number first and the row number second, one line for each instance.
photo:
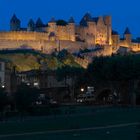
column 36, row 84
column 28, row 84
column 82, row 89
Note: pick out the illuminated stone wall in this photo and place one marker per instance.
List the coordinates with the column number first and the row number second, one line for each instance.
column 62, row 32
column 26, row 36
column 45, row 46
column 135, row 47
column 46, row 38
column 94, row 33
column 126, row 42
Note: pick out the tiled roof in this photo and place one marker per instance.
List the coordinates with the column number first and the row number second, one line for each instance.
column 114, row 32
column 39, row 23
column 31, row 23
column 87, row 18
column 14, row 19
column 95, row 19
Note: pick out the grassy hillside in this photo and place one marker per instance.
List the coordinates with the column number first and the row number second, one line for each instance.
column 26, row 60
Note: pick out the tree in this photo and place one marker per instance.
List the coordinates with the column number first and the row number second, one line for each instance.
column 25, row 97
column 117, row 70
column 3, row 99
column 74, row 73
column 52, row 63
column 62, row 54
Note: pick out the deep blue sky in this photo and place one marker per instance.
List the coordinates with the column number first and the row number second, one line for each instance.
column 124, row 12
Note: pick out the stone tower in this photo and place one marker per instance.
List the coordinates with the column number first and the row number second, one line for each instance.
column 15, row 23
column 127, row 36
column 108, row 22
column 31, row 25
column 71, row 25
column 88, row 29
column 52, row 25
column 91, row 30
column 115, row 41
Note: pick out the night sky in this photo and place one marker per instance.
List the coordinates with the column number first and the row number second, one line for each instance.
column 124, row 12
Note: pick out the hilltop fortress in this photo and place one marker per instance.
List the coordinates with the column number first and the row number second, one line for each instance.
column 59, row 34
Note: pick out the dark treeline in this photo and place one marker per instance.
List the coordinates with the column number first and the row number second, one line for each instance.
column 121, row 72
column 116, row 68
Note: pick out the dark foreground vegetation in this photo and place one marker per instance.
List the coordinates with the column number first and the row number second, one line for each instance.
column 108, row 75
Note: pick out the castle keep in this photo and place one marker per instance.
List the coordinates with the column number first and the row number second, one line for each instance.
column 91, row 31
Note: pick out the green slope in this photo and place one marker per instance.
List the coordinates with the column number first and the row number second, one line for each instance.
column 26, row 60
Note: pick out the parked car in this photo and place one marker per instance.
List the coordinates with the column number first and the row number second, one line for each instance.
column 86, row 98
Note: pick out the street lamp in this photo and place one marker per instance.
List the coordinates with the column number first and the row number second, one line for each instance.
column 82, row 89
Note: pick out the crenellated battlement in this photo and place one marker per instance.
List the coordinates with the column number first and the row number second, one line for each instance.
column 23, row 35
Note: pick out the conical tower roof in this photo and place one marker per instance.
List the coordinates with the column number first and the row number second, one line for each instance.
column 31, row 22
column 14, row 19
column 39, row 23
column 127, row 31
column 86, row 18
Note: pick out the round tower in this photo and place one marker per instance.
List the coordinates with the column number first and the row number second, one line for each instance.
column 115, row 41
column 128, row 36
column 108, row 23
column 71, row 24
column 52, row 25
column 31, row 25
column 15, row 23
